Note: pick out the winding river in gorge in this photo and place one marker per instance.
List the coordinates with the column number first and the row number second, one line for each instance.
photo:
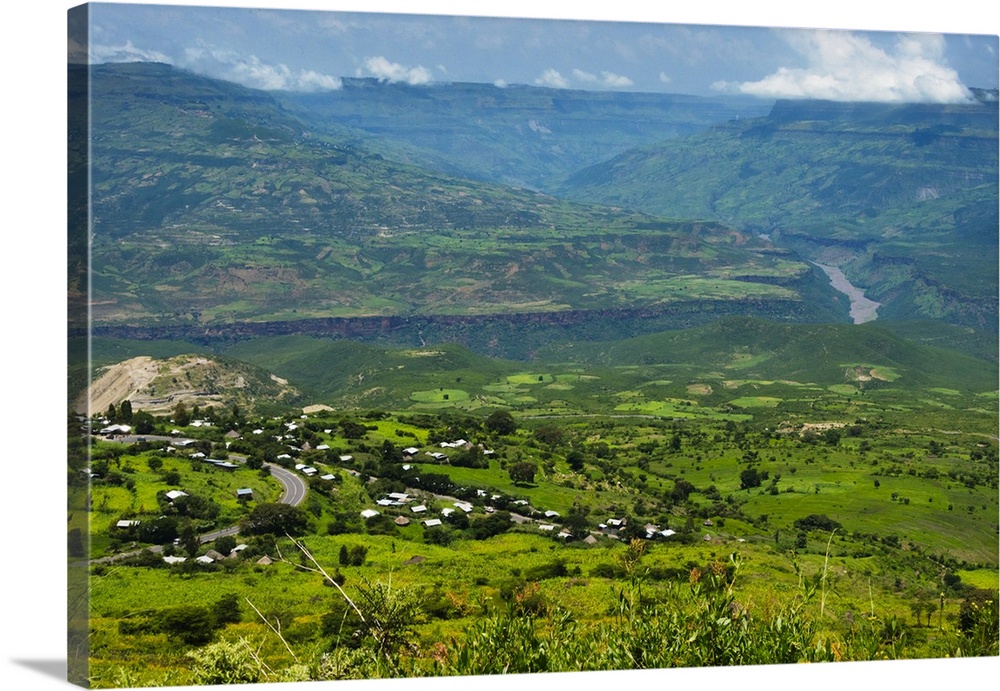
column 862, row 309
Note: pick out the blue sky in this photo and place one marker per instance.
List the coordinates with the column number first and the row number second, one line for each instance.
column 273, row 47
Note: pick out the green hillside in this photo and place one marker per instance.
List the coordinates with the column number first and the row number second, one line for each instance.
column 212, row 204
column 903, row 198
column 821, row 353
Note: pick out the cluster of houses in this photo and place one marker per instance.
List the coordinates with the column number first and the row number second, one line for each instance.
column 401, row 500
column 613, row 526
column 208, row 557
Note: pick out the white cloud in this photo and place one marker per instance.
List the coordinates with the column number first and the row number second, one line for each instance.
column 389, row 71
column 552, row 78
column 615, row 81
column 125, row 53
column 844, row 66
column 253, row 72
column 581, row 78
column 665, row 78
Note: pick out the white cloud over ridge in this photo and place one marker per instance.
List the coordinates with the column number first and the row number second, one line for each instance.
column 125, row 53
column 583, row 79
column 255, row 73
column 388, row 71
column 845, row 66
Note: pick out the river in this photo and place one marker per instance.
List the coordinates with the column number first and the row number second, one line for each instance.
column 862, row 309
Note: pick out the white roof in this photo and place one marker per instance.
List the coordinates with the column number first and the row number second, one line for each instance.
column 368, row 513
column 550, row 514
column 447, row 512
column 126, row 524
column 309, row 471
column 174, row 560
column 668, row 532
column 328, row 476
column 462, row 505
column 418, row 509
column 544, row 526
column 205, row 559
column 174, row 493
column 300, row 466
column 385, row 502
column 410, row 450
column 322, row 447
column 283, row 456
column 398, row 495
column 347, row 458
column 431, row 522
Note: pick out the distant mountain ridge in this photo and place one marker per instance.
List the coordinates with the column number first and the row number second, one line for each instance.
column 903, row 197
column 521, row 135
column 215, row 205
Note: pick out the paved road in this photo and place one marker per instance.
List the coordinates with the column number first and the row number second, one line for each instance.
column 295, row 489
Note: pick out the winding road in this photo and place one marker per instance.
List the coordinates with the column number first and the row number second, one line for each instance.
column 294, row 493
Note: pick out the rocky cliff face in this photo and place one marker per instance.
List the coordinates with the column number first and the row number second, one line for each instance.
column 509, row 336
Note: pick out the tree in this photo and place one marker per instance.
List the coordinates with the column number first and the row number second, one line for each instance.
column 817, row 521
column 227, row 609
column 749, row 478
column 274, row 519
column 225, row 544
column 501, row 422
column 181, row 415
column 143, row 422
column 575, row 459
column 125, row 411
column 549, row 434
column 192, row 624
column 523, row 473
column 189, row 540
column 682, row 488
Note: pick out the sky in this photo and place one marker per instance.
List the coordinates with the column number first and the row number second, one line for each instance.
column 273, row 47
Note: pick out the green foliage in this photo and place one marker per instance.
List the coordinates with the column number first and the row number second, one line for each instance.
column 979, row 621
column 819, row 522
column 274, row 519
column 523, row 472
column 501, row 422
column 227, row 663
column 191, row 624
